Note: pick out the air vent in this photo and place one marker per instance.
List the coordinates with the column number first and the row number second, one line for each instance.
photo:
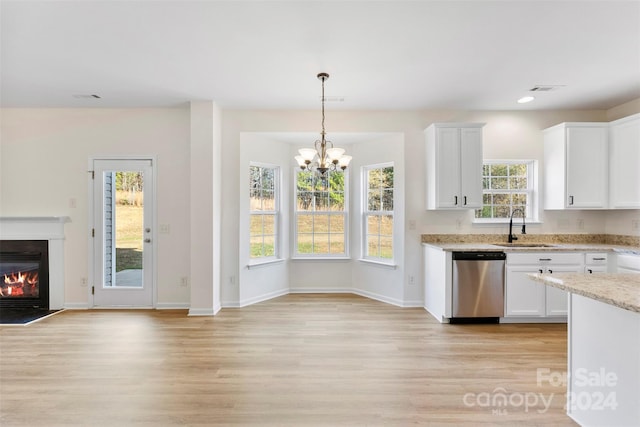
column 82, row 96
column 332, row 98
column 545, row 88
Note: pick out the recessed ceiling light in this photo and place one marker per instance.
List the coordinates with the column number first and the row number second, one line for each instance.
column 525, row 99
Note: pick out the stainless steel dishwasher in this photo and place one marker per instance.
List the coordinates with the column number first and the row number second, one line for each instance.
column 478, row 285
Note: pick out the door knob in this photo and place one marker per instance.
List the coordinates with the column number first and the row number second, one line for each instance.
column 147, row 230
column 147, row 240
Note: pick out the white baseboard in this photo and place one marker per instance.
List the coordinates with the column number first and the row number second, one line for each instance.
column 378, row 297
column 321, row 291
column 76, row 306
column 559, row 319
column 264, row 297
column 201, row 312
column 172, row 306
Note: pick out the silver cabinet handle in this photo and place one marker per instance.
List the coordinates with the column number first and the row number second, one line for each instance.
column 570, row 200
column 544, row 259
column 590, row 271
column 455, row 200
column 465, row 200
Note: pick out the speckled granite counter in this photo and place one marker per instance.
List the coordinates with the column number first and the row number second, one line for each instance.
column 551, row 242
column 620, row 290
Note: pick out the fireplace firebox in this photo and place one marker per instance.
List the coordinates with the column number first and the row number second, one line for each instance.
column 24, row 274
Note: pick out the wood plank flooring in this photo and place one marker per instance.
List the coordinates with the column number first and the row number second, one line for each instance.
column 299, row 360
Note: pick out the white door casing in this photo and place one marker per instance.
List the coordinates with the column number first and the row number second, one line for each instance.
column 133, row 288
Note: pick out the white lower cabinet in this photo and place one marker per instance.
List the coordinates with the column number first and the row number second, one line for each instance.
column 526, row 298
column 596, row 263
column 628, row 263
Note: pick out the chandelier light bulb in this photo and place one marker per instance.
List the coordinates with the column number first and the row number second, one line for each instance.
column 307, row 154
column 334, row 154
column 344, row 161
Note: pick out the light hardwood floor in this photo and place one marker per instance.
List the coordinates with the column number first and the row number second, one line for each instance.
column 301, row 360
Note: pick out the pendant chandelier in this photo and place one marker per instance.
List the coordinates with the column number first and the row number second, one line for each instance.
column 324, row 157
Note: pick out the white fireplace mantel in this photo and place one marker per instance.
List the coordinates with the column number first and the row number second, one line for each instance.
column 50, row 228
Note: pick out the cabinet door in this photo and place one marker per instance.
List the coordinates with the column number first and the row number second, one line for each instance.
column 556, row 300
column 471, row 168
column 587, row 180
column 523, row 296
column 624, row 164
column 448, row 168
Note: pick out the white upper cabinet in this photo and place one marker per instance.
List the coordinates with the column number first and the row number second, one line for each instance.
column 454, row 165
column 624, row 163
column 576, row 166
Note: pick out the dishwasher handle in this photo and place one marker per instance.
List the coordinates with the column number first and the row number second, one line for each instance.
column 479, row 256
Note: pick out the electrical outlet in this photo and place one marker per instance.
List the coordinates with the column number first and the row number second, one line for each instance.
column 232, row 280
column 73, row 203
column 580, row 224
column 412, row 280
column 458, row 224
column 83, row 282
column 635, row 224
column 184, row 281
column 164, row 229
column 412, row 224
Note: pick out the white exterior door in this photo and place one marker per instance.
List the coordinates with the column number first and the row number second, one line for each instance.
column 123, row 233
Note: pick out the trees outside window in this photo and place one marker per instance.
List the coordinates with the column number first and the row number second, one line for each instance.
column 320, row 214
column 506, row 186
column 264, row 211
column 378, row 212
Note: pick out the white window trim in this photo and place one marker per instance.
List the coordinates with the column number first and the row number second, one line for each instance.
column 254, row 262
column 533, row 213
column 295, row 255
column 389, row 262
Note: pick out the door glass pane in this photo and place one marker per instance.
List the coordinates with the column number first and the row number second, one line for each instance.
column 124, row 232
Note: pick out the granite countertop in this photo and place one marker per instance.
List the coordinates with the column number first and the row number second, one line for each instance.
column 534, row 243
column 549, row 247
column 619, row 290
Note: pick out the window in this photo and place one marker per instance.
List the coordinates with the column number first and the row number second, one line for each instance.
column 506, row 186
column 264, row 211
column 320, row 214
column 378, row 212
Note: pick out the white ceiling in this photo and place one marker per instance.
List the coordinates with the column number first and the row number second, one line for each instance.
column 471, row 55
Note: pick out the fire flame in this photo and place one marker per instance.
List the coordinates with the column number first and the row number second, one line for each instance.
column 19, row 284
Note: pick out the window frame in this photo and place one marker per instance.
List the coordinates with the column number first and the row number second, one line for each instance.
column 276, row 212
column 295, row 254
column 366, row 213
column 532, row 213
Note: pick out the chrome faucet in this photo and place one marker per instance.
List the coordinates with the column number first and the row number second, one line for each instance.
column 511, row 236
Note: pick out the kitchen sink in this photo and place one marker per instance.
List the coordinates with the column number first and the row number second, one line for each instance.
column 524, row 245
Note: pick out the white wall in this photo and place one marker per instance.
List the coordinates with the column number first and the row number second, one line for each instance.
column 43, row 170
column 377, row 281
column 257, row 283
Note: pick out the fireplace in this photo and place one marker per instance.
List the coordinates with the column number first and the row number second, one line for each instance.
column 49, row 229
column 24, row 274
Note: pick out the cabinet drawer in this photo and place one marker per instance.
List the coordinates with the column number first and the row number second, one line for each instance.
column 542, row 258
column 596, row 258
